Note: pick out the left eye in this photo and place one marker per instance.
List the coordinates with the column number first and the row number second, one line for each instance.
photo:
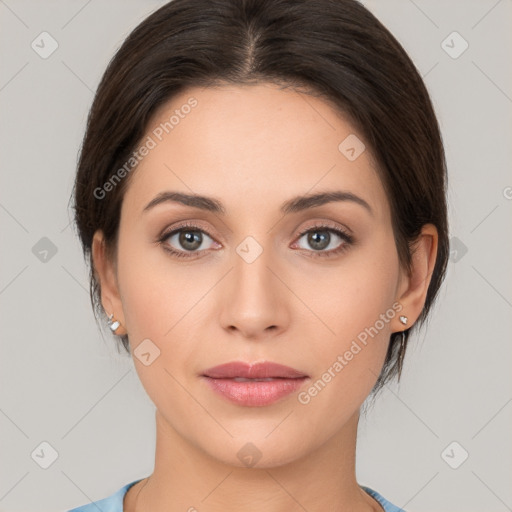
column 321, row 239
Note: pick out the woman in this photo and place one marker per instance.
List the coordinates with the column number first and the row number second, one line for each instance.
column 261, row 196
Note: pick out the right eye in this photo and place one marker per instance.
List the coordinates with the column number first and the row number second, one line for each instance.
column 188, row 238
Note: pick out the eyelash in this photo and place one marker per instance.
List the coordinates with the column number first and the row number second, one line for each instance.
column 348, row 240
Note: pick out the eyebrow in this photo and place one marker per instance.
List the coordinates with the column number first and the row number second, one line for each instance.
column 294, row 205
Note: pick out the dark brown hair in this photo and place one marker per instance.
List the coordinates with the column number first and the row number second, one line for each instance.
column 334, row 49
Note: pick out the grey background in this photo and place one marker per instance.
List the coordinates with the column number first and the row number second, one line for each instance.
column 63, row 383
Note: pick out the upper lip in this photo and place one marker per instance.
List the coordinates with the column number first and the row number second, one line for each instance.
column 253, row 371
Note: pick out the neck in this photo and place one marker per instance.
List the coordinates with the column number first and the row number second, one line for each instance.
column 187, row 479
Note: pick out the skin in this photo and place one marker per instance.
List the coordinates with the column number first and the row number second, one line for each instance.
column 253, row 148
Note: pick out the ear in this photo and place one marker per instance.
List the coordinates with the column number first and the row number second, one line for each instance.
column 413, row 288
column 106, row 274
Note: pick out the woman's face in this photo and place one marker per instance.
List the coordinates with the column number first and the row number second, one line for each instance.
column 248, row 286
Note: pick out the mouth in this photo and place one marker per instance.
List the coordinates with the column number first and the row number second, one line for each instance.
column 253, row 385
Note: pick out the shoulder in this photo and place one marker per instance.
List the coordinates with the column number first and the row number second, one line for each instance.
column 386, row 505
column 112, row 503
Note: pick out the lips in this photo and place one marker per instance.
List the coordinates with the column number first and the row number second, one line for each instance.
column 255, row 385
column 266, row 370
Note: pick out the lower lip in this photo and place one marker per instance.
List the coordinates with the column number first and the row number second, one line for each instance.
column 255, row 393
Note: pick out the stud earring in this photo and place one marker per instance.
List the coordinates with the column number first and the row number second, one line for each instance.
column 113, row 324
column 403, row 319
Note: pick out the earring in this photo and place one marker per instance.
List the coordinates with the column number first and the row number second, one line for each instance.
column 113, row 324
column 403, row 319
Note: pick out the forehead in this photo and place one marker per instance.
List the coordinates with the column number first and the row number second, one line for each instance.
column 252, row 142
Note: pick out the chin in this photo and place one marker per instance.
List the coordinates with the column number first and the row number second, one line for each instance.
column 249, row 451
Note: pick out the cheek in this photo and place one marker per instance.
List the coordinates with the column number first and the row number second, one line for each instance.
column 356, row 304
column 352, row 296
column 348, row 362
column 155, row 295
column 142, row 300
column 156, row 300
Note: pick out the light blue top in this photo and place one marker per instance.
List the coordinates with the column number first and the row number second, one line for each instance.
column 114, row 503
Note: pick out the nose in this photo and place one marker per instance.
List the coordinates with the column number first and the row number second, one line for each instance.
column 254, row 298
